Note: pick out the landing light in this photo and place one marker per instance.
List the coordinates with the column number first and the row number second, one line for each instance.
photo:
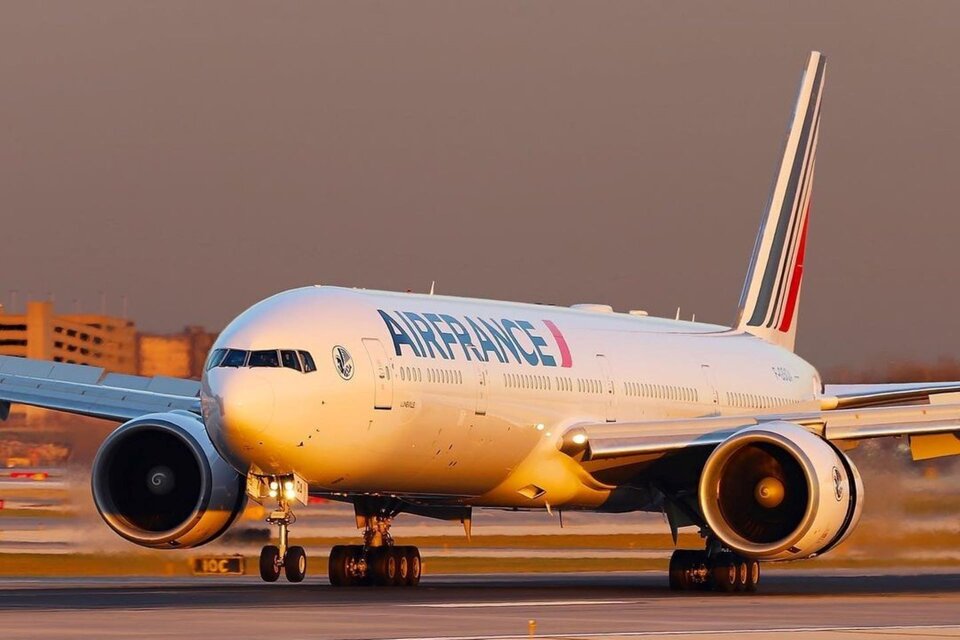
column 273, row 485
column 580, row 438
column 540, row 427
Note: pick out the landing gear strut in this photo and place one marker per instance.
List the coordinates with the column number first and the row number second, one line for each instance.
column 274, row 559
column 378, row 561
column 721, row 571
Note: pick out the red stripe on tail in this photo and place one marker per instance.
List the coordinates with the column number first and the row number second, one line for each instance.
column 797, row 277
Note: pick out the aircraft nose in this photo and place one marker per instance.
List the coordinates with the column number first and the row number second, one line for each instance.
column 244, row 405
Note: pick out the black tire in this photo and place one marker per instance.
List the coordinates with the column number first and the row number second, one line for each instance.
column 270, row 563
column 383, row 565
column 679, row 570
column 295, row 564
column 403, row 566
column 337, row 566
column 743, row 574
column 753, row 576
column 414, row 566
column 724, row 573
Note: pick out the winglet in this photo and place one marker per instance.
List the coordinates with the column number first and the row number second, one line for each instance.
column 771, row 292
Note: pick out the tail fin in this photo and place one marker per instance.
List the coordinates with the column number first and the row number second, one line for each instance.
column 769, row 301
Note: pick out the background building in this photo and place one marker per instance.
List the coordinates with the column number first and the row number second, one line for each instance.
column 95, row 340
column 180, row 355
column 100, row 340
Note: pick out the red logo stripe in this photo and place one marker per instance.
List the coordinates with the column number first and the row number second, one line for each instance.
column 565, row 359
column 797, row 277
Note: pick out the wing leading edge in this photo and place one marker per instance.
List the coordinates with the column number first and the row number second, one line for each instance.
column 90, row 391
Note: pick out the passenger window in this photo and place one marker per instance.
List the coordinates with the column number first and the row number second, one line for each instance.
column 308, row 364
column 264, row 359
column 290, row 360
column 235, row 358
column 216, row 358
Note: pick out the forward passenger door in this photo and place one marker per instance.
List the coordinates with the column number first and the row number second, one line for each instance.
column 382, row 376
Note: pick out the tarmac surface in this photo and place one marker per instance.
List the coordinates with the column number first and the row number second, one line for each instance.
column 792, row 604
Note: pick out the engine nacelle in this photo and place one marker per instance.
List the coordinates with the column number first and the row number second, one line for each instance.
column 778, row 492
column 159, row 482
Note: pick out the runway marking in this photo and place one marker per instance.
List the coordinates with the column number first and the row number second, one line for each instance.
column 515, row 603
column 696, row 632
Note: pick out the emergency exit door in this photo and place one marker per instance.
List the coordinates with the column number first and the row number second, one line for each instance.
column 609, row 389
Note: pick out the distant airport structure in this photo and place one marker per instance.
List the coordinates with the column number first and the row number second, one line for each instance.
column 102, row 340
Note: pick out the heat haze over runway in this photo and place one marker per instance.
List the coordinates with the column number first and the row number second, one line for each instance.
column 793, row 604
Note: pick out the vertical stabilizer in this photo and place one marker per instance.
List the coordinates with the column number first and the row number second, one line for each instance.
column 770, row 298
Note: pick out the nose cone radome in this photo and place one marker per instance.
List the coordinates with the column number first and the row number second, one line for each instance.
column 239, row 408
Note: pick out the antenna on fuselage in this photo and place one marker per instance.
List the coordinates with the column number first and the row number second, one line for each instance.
column 433, row 283
column 678, row 314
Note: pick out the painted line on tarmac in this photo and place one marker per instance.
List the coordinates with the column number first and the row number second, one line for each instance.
column 697, row 632
column 515, row 603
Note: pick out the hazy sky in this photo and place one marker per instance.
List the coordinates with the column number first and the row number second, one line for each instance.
column 198, row 156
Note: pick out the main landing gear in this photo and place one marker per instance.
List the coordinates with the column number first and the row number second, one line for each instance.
column 378, row 561
column 282, row 558
column 721, row 571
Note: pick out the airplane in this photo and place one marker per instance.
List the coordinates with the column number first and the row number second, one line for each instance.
column 433, row 405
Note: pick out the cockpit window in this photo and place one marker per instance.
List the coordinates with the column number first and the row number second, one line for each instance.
column 286, row 358
column 308, row 364
column 216, row 358
column 235, row 358
column 264, row 359
column 290, row 360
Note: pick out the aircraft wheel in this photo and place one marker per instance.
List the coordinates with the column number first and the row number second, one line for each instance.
column 342, row 559
column 337, row 565
column 680, row 565
column 403, row 566
column 753, row 576
column 383, row 566
column 270, row 563
column 295, row 564
column 415, row 566
column 743, row 574
column 724, row 573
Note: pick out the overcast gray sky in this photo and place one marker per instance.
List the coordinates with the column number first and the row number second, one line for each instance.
column 198, row 156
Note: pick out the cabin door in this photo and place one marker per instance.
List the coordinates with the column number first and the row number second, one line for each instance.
column 382, row 375
column 482, row 387
column 713, row 395
column 609, row 389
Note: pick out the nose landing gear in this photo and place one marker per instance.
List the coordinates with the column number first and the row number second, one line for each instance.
column 282, row 558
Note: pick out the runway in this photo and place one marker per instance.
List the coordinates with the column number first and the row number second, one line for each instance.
column 618, row 605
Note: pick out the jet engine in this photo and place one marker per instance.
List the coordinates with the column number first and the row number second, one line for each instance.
column 778, row 492
column 159, row 482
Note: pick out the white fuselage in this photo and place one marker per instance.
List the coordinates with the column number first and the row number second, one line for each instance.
column 466, row 400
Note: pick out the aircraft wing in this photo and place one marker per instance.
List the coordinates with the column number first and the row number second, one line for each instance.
column 848, row 396
column 90, row 391
column 933, row 429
